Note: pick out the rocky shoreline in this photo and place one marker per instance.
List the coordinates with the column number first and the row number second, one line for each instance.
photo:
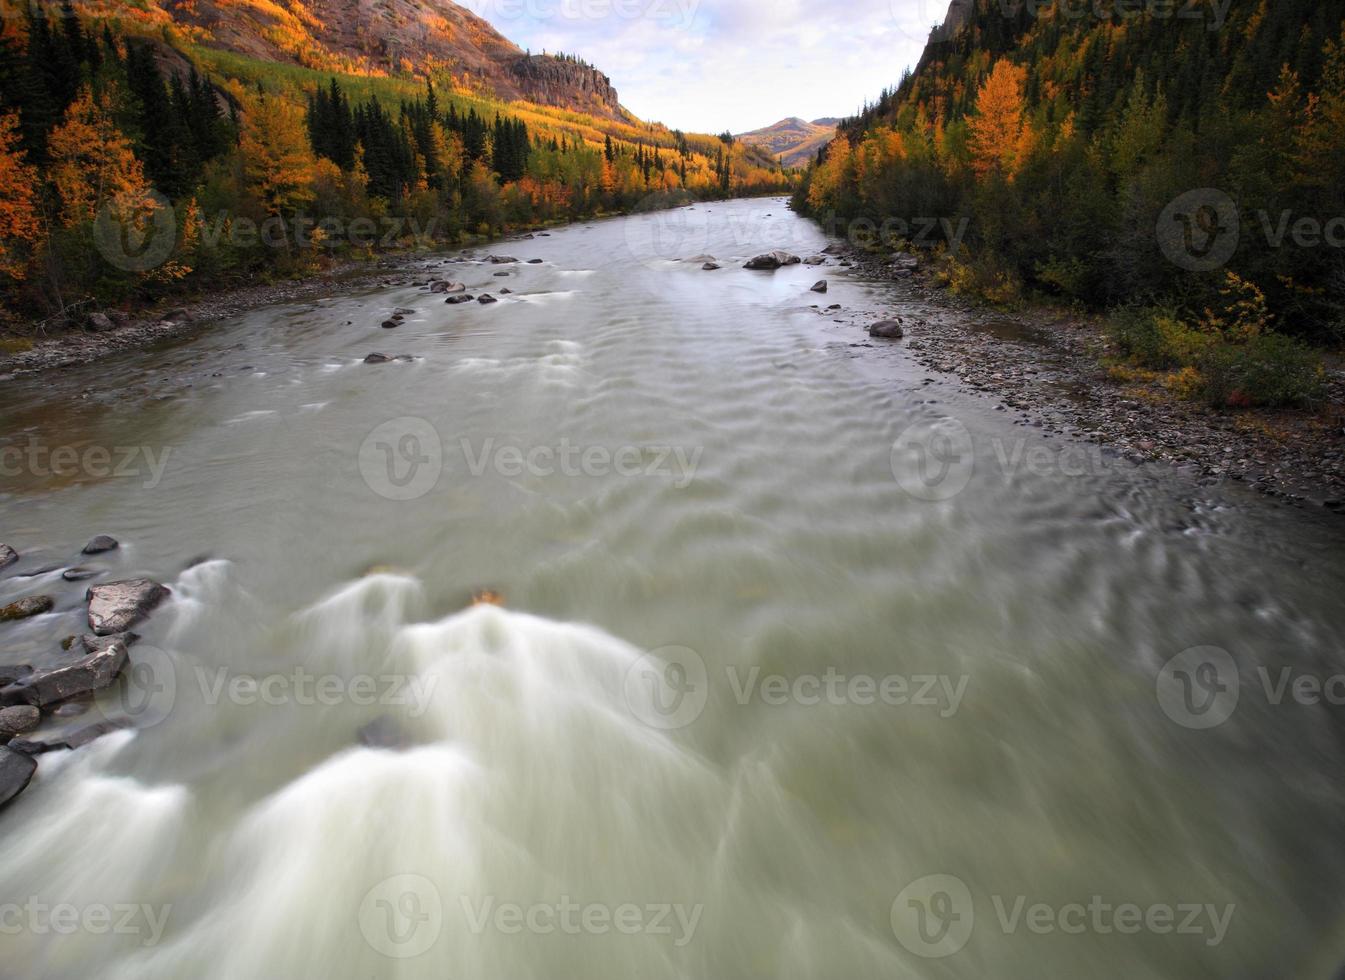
column 36, row 702
column 1049, row 368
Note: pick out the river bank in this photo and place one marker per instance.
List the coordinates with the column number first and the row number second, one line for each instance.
column 1051, row 367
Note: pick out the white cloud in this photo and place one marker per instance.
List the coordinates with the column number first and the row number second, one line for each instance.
column 710, row 65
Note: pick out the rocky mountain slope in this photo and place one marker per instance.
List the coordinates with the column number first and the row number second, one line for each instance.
column 371, row 37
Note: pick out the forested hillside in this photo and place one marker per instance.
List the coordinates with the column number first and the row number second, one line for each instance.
column 139, row 160
column 1184, row 162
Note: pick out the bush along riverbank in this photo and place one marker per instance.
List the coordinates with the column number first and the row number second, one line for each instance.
column 1221, row 398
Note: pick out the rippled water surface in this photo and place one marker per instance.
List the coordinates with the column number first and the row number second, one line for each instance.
column 787, row 631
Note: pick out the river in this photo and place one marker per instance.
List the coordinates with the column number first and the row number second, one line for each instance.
column 806, row 667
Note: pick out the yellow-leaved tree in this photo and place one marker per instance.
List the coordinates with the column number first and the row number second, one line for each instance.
column 94, row 167
column 1000, row 138
column 278, row 159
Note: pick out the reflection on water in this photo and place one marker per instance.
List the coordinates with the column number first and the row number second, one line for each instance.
column 807, row 669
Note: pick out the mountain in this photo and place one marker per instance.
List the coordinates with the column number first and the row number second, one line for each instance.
column 793, row 141
column 382, row 37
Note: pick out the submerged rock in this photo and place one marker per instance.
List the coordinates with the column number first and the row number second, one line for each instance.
column 391, row 324
column 384, row 733
column 887, row 330
column 464, row 298
column 711, row 267
column 78, row 574
column 116, row 607
column 69, row 739
column 101, row 544
column 486, row 299
column 445, row 286
column 8, row 556
column 9, row 673
column 534, row 261
column 16, row 771
column 815, row 260
column 772, row 260
column 377, row 358
column 90, row 673
column 501, row 259
column 28, row 606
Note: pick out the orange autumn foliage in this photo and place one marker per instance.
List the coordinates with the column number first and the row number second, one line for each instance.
column 279, row 159
column 93, row 166
column 1000, row 139
column 20, row 224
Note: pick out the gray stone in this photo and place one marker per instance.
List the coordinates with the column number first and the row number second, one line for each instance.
column 815, row 260
column 18, row 719
column 16, row 771
column 377, row 358
column 100, row 323
column 78, row 574
column 501, row 259
column 887, row 330
column 101, row 544
column 486, row 299
column 391, row 324
column 116, row 607
column 9, row 673
column 772, row 260
column 8, row 556
column 820, row 287
column 28, row 606
column 711, row 267
column 90, row 673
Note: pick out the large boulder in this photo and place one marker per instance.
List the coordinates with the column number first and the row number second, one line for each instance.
column 117, row 606
column 100, row 323
column 16, row 771
column 887, row 330
column 8, row 556
column 501, row 259
column 89, row 673
column 821, row 287
column 772, row 260
column 28, row 606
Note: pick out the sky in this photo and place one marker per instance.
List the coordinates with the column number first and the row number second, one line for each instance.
column 711, row 65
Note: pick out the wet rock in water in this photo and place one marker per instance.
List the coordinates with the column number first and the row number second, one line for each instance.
column 506, row 292
column 820, row 287
column 17, row 719
column 102, row 543
column 403, row 311
column 9, row 673
column 377, row 358
column 501, row 259
column 8, row 556
column 96, row 644
column 502, row 275
column 78, row 574
column 116, row 607
column 711, row 267
column 16, row 770
column 833, row 250
column 71, row 709
column 534, row 261
column 887, row 330
column 70, row 739
column 90, row 673
column 391, row 324
column 772, row 260
column 444, row 286
column 834, row 306
column 28, row 606
column 486, row 299
column 384, row 733
column 455, row 300
column 100, row 323
column 815, row 260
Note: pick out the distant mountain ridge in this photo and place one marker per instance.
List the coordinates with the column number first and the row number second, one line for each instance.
column 793, row 141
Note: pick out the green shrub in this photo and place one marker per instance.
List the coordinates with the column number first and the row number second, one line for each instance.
column 1157, row 338
column 1269, row 370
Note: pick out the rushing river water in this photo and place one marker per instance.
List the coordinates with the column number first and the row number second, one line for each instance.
column 807, row 668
